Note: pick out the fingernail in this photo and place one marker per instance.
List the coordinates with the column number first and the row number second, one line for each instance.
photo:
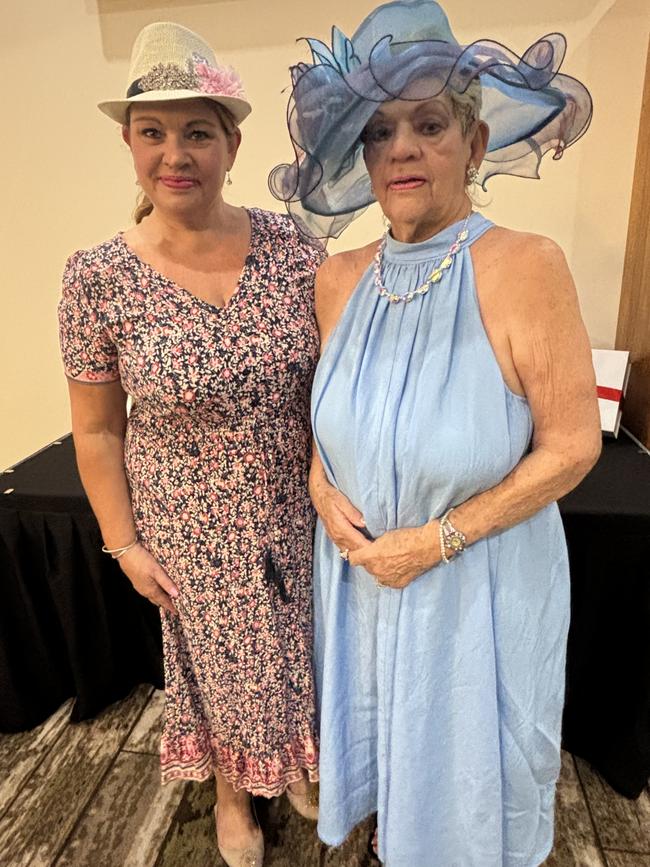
column 173, row 592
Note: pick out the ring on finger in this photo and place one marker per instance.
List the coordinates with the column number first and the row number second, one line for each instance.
column 344, row 554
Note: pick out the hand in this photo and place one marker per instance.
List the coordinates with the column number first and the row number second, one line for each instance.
column 340, row 518
column 149, row 578
column 399, row 556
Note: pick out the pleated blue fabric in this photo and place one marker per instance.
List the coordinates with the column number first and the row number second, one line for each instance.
column 440, row 704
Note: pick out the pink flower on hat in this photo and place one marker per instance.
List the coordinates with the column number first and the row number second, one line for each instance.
column 219, row 79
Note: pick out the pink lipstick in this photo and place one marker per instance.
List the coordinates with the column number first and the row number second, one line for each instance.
column 407, row 182
column 177, row 183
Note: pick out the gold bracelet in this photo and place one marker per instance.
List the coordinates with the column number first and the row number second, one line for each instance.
column 116, row 553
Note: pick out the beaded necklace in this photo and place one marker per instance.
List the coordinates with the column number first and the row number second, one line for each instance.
column 434, row 277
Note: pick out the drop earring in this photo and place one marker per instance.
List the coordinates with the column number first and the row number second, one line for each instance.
column 471, row 175
column 228, row 179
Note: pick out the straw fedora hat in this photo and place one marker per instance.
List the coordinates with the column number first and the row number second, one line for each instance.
column 170, row 62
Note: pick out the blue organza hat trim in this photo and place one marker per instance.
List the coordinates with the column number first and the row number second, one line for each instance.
column 406, row 50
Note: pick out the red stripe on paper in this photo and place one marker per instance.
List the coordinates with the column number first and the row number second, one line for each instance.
column 609, row 393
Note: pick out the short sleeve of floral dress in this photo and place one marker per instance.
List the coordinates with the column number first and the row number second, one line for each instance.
column 216, row 453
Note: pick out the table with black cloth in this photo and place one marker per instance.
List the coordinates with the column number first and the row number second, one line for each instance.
column 71, row 624
column 607, row 708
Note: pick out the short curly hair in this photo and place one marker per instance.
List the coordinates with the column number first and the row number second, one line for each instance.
column 467, row 105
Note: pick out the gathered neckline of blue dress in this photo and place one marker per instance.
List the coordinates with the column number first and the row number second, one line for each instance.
column 400, row 252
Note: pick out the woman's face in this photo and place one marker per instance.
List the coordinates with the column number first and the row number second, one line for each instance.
column 181, row 154
column 417, row 158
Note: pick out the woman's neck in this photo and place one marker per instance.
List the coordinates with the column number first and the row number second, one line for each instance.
column 164, row 230
column 414, row 231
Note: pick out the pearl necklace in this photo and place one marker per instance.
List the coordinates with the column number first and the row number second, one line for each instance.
column 434, row 277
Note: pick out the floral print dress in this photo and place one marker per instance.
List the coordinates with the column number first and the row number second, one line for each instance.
column 216, row 454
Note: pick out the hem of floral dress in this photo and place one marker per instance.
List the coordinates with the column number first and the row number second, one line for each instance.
column 202, row 766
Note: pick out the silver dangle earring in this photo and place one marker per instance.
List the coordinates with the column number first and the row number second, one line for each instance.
column 471, row 175
column 228, row 179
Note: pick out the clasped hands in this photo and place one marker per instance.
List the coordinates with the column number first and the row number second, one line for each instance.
column 394, row 559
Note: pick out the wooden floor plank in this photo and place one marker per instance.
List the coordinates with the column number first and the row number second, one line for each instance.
column 627, row 859
column 131, row 821
column 145, row 737
column 354, row 851
column 191, row 839
column 21, row 753
column 45, row 810
column 621, row 823
column 575, row 843
column 128, row 818
column 290, row 840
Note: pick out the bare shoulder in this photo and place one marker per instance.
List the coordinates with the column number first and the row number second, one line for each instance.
column 336, row 280
column 342, row 271
column 525, row 267
column 514, row 249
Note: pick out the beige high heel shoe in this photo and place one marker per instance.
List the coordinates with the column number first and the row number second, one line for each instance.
column 306, row 803
column 251, row 856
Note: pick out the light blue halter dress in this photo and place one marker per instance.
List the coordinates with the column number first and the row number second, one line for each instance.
column 440, row 704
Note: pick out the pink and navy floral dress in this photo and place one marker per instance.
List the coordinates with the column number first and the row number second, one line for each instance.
column 216, row 453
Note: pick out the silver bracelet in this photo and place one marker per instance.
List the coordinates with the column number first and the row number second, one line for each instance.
column 450, row 537
column 116, row 553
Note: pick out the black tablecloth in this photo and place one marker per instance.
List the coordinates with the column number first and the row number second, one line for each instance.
column 70, row 622
column 607, row 523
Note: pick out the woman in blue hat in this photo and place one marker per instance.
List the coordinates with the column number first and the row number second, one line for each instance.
column 453, row 404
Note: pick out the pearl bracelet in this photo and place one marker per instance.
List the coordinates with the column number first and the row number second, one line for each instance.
column 116, row 553
column 450, row 537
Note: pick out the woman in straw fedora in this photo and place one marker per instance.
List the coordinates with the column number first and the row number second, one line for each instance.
column 203, row 313
column 453, row 403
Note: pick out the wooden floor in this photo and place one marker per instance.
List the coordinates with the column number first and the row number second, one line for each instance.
column 89, row 794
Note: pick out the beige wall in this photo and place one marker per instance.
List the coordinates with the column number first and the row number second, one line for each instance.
column 68, row 182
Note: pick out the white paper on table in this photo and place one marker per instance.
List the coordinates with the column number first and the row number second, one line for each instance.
column 612, row 367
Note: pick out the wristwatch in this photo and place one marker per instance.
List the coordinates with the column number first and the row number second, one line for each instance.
column 450, row 537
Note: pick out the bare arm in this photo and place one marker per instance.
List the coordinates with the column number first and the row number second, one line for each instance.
column 552, row 362
column 552, row 358
column 335, row 281
column 339, row 516
column 98, row 426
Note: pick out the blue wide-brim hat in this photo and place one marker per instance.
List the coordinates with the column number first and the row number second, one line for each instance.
column 406, row 50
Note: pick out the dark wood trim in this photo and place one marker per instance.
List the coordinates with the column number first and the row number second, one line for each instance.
column 633, row 331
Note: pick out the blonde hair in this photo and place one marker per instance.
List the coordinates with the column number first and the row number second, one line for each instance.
column 144, row 205
column 466, row 105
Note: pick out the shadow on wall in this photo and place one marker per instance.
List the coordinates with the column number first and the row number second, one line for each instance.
column 228, row 25
column 277, row 22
